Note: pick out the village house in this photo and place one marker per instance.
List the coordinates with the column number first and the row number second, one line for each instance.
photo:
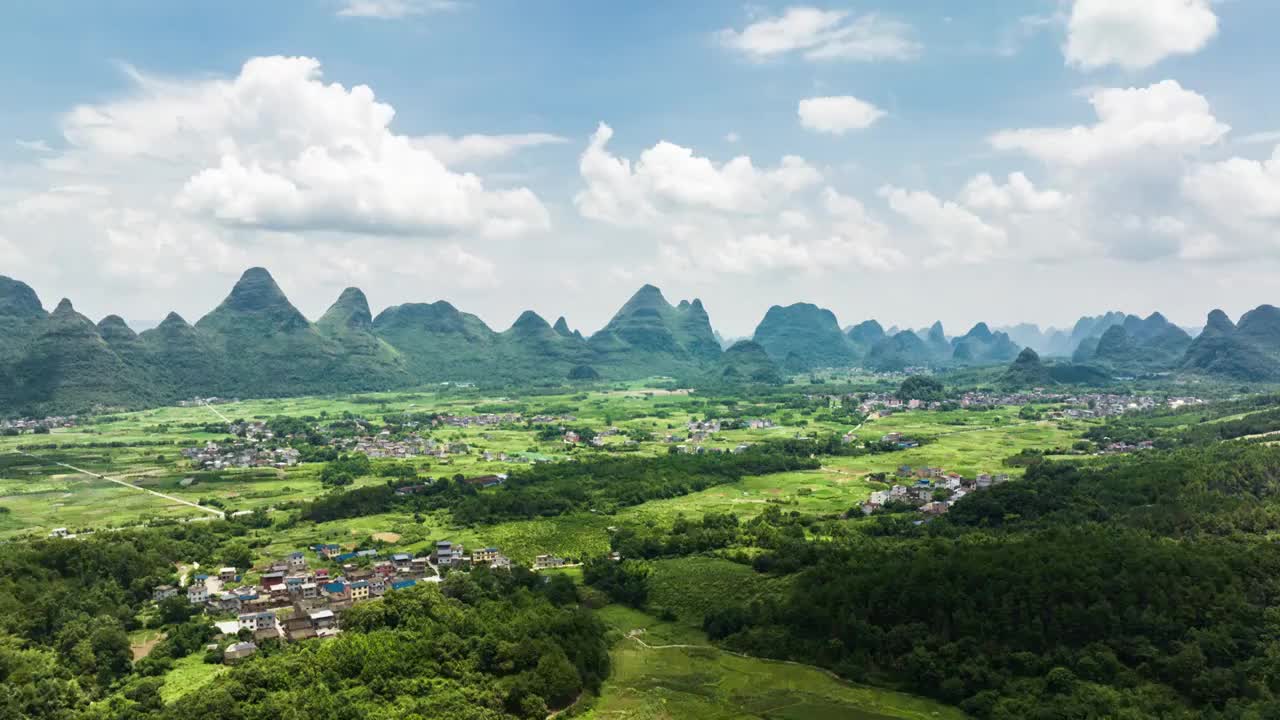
column 484, row 556
column 197, row 594
column 543, row 562
column 227, row 574
column 238, row 651
column 162, row 592
column 256, row 621
column 360, row 590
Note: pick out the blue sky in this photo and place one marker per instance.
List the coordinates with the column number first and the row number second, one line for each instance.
column 892, row 199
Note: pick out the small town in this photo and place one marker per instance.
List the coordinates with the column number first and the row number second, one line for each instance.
column 296, row 599
column 934, row 491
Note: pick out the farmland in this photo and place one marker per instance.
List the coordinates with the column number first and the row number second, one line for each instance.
column 662, row 667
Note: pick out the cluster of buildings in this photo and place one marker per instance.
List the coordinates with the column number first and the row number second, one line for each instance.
column 22, row 425
column 897, row 439
column 1124, row 447
column 922, row 491
column 216, row 456
column 197, row 402
column 483, row 420
column 291, row 601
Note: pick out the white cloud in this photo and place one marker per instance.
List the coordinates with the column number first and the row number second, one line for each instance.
column 732, row 137
column 957, row 233
column 824, row 35
column 452, row 260
column 982, row 192
column 277, row 148
column 838, row 114
column 1163, row 117
column 393, row 9
column 671, row 176
column 1238, row 189
column 478, row 148
column 1136, row 34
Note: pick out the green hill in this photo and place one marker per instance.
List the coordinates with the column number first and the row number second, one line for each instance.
column 185, row 360
column 68, row 365
column 746, row 362
column 804, row 336
column 364, row 361
column 21, row 316
column 1247, row 351
column 438, row 342
column 1142, row 345
column 864, row 336
column 268, row 346
column 899, row 351
column 1026, row 371
column 532, row 348
column 648, row 335
column 981, row 346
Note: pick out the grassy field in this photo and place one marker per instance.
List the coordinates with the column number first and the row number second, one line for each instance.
column 691, row 586
column 695, row 680
column 39, row 496
column 187, row 676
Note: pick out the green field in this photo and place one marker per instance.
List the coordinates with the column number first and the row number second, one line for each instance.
column 188, row 675
column 662, row 670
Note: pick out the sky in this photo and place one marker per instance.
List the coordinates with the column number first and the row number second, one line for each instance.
column 1002, row 161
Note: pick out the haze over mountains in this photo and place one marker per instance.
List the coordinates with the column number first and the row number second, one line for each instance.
column 256, row 343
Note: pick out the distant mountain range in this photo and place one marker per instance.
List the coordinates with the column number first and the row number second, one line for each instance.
column 256, row 343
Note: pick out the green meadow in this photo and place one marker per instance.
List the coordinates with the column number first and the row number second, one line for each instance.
column 667, row 670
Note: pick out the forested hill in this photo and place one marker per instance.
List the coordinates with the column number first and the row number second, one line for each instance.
column 1141, row 588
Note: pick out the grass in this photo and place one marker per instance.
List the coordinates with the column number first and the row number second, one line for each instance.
column 188, row 675
column 691, row 587
column 654, row 682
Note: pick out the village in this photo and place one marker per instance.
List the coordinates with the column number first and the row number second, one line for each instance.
column 292, row 601
column 934, row 491
column 1077, row 405
column 20, row 426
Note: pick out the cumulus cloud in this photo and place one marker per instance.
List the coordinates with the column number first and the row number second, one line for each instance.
column 732, row 217
column 1019, row 193
column 824, row 35
column 277, row 148
column 958, row 234
column 1238, row 189
column 393, row 9
column 672, row 176
column 837, row 115
column 1162, row 118
column 1136, row 34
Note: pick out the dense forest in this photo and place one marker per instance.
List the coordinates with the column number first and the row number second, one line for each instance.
column 1143, row 588
column 480, row 647
column 603, row 484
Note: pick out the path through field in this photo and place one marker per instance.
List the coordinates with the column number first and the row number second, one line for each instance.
column 180, row 501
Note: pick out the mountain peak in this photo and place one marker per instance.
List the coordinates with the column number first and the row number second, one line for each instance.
column 114, row 328
column 562, row 327
column 172, row 319
column 17, row 299
column 351, row 309
column 64, row 308
column 255, row 289
column 530, row 321
column 648, row 296
column 1219, row 321
column 258, row 300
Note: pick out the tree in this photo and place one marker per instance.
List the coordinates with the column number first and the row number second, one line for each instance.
column 921, row 387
